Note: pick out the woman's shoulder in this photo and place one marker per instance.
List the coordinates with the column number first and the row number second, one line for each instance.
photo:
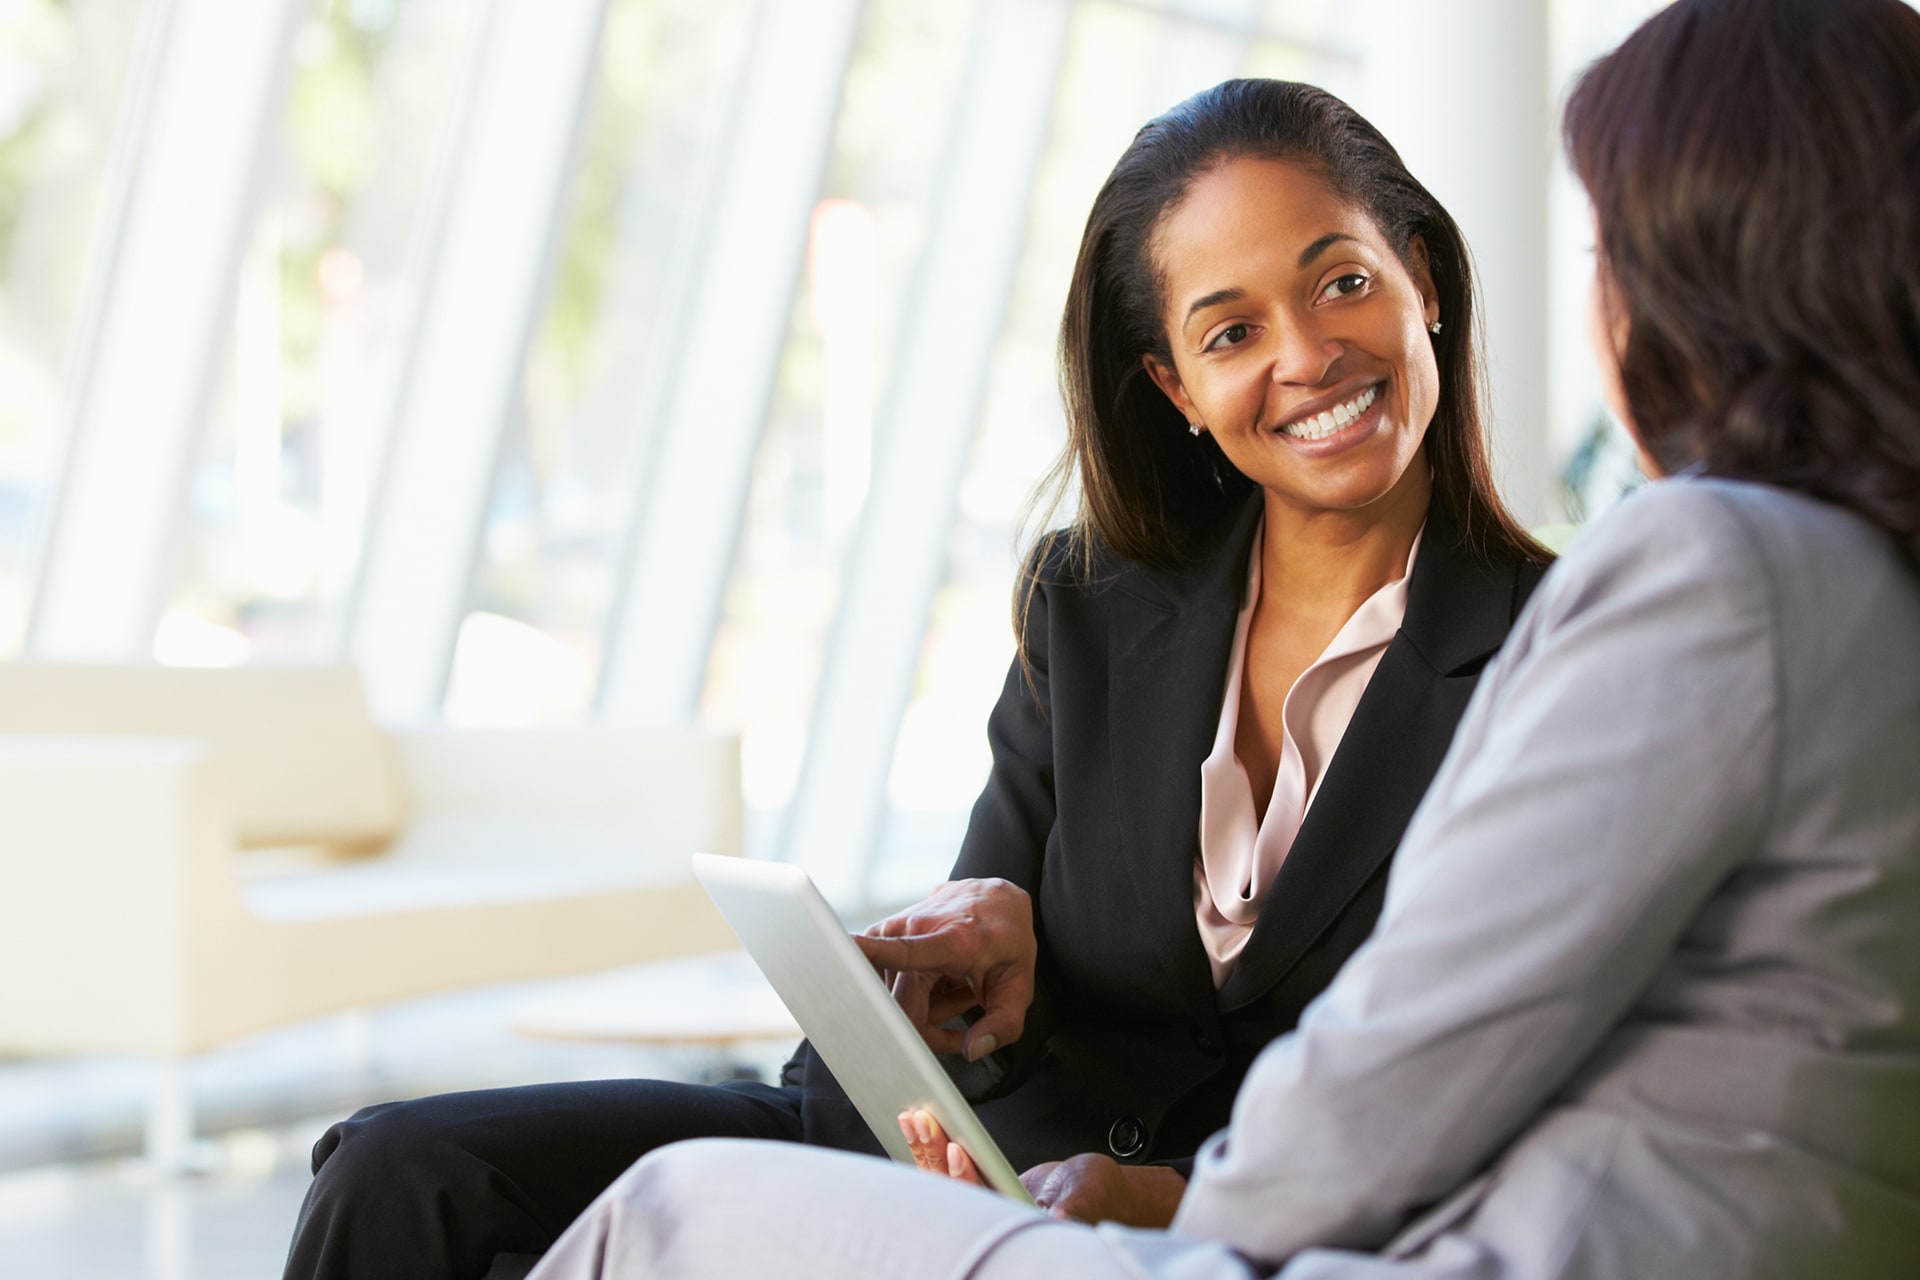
column 1073, row 560
column 1705, row 542
column 1077, row 583
column 1201, row 561
column 1721, row 522
column 1679, row 528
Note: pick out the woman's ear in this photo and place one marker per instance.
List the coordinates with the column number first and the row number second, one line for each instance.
column 1421, row 269
column 1167, row 378
column 1607, row 331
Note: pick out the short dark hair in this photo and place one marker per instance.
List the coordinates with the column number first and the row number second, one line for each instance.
column 1754, row 167
column 1148, row 491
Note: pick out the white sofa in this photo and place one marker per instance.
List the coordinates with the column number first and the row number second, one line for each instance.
column 191, row 856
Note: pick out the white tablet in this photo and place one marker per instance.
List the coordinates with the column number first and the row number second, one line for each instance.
column 850, row 1017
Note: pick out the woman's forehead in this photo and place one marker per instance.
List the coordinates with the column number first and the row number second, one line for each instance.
column 1257, row 214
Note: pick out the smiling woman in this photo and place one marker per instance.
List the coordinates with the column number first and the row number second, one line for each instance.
column 1243, row 662
column 1312, row 368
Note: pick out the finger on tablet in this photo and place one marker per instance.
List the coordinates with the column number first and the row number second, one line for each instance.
column 927, row 1138
column 881, row 953
column 960, row 1166
column 938, row 952
column 927, row 1155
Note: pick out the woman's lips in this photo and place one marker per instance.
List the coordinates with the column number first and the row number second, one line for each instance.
column 1329, row 421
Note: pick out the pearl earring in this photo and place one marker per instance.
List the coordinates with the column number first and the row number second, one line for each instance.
column 1434, row 327
column 1194, row 428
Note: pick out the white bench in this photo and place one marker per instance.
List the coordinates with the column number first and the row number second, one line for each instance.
column 192, row 856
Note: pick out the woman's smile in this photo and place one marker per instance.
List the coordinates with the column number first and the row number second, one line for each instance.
column 1298, row 336
column 1318, row 430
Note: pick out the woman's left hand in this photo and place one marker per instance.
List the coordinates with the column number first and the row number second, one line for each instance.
column 1088, row 1188
column 1097, row 1188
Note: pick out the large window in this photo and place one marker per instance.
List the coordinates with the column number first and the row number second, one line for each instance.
column 64, row 75
column 323, row 326
column 576, row 453
column 811, row 473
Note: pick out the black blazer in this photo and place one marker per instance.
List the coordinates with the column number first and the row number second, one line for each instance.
column 1093, row 806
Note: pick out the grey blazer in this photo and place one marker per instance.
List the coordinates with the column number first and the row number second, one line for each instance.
column 1644, row 999
column 1643, row 1002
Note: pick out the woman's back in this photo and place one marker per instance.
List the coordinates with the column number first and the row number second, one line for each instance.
column 1670, row 873
column 1814, row 942
column 1775, row 1054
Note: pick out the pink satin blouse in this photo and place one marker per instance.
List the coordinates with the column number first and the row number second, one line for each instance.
column 1239, row 854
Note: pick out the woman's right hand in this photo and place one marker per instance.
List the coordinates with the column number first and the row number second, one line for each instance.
column 1088, row 1188
column 970, row 942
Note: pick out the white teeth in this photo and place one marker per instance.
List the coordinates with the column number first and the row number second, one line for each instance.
column 1322, row 425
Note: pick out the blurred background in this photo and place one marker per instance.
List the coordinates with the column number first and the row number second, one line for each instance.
column 618, row 362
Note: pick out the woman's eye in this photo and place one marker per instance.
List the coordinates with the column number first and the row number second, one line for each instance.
column 1231, row 336
column 1340, row 286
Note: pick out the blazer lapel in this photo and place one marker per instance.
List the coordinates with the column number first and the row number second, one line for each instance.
column 1458, row 612
column 1171, row 635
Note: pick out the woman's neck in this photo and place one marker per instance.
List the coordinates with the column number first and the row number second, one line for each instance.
column 1326, row 563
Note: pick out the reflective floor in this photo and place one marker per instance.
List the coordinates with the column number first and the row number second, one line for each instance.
column 107, row 1220
column 76, row 1203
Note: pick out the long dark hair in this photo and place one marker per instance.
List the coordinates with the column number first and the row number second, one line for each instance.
column 1151, row 493
column 1755, row 175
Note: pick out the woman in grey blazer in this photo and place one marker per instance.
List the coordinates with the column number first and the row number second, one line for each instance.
column 1644, row 999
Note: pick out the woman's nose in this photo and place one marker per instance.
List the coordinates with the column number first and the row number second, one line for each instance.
column 1302, row 354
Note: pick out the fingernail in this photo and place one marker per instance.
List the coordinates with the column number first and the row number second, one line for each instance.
column 924, row 1123
column 953, row 1159
column 906, row 1126
column 982, row 1047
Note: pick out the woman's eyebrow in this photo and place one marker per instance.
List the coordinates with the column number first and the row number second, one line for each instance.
column 1321, row 245
column 1213, row 299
